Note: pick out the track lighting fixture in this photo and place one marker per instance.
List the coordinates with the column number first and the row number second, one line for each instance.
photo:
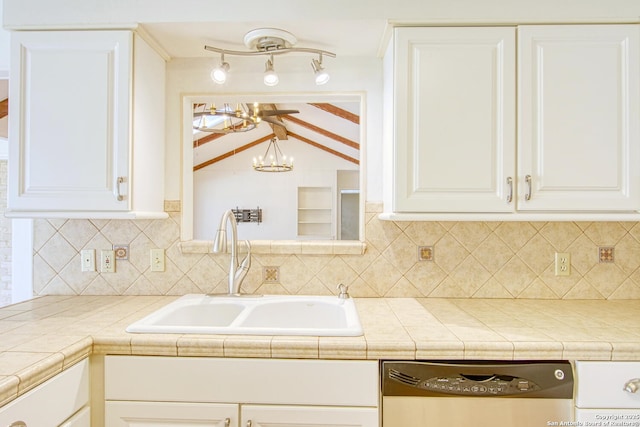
column 270, row 76
column 219, row 73
column 321, row 75
column 270, row 42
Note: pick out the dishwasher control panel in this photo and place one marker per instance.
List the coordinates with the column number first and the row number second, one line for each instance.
column 489, row 385
column 477, row 379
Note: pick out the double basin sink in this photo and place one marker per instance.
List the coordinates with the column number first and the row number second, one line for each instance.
column 254, row 315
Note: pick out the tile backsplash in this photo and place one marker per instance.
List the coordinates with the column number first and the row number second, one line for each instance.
column 463, row 260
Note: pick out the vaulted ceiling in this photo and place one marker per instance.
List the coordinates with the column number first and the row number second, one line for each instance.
column 330, row 127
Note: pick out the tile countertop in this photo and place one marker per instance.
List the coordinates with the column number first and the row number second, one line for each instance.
column 41, row 337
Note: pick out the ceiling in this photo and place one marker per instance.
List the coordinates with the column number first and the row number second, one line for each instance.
column 332, row 128
column 343, row 37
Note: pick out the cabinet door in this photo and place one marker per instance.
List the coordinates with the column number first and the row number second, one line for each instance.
column 52, row 402
column 454, row 137
column 81, row 419
column 129, row 414
column 307, row 416
column 70, row 120
column 579, row 117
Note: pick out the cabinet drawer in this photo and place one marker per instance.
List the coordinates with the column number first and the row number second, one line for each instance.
column 51, row 403
column 600, row 384
column 267, row 381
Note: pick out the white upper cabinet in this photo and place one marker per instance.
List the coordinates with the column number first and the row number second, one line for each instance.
column 458, row 147
column 87, row 125
column 579, row 117
column 454, row 98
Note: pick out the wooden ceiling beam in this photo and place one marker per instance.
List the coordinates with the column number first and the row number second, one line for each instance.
column 279, row 131
column 337, row 111
column 232, row 152
column 323, row 132
column 207, row 138
column 4, row 108
column 324, row 148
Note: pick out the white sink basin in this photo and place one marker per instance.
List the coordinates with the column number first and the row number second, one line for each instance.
column 254, row 315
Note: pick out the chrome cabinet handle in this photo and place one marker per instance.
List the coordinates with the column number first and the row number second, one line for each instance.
column 632, row 386
column 227, row 422
column 527, row 195
column 120, row 181
column 249, row 423
column 510, row 184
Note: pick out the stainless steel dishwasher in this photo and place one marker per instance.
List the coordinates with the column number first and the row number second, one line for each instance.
column 478, row 393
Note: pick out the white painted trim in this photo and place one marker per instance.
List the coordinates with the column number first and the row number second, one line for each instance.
column 21, row 260
column 4, row 148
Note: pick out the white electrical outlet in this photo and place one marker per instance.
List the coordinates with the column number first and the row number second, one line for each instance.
column 157, row 260
column 563, row 264
column 107, row 261
column 88, row 260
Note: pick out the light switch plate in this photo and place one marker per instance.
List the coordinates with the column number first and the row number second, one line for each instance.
column 157, row 260
column 107, row 261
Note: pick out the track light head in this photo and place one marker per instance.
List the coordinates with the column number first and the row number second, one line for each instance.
column 219, row 73
column 270, row 76
column 320, row 74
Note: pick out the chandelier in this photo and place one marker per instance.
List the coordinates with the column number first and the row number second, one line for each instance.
column 270, row 42
column 273, row 159
column 243, row 118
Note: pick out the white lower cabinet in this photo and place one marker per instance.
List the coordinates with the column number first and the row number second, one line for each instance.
column 308, row 416
column 127, row 414
column 219, row 392
column 608, row 393
column 62, row 401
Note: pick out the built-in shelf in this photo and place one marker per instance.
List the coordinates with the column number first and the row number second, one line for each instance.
column 315, row 212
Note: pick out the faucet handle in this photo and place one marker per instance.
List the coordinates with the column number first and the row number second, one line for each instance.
column 343, row 291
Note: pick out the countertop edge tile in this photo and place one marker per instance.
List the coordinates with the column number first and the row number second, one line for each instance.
column 8, row 388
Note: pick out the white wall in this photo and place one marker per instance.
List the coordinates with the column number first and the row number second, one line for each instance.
column 234, row 182
column 4, row 47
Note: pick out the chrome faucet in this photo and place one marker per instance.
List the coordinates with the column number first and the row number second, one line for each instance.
column 237, row 270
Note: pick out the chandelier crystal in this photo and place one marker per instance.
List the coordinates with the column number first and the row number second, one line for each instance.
column 273, row 159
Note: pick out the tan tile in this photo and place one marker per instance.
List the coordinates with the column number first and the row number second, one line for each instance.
column 470, row 234
column 112, row 343
column 440, row 350
column 247, row 346
column 537, row 254
column 8, row 388
column 199, row 345
column 390, row 349
column 40, row 370
column 492, row 253
column 342, row 348
column 586, row 350
column 156, row 344
column 531, row 350
column 488, row 350
column 560, row 234
column 286, row 347
column 381, row 276
column 515, row 234
column 449, row 253
column 625, row 351
column 605, row 233
column 77, row 351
